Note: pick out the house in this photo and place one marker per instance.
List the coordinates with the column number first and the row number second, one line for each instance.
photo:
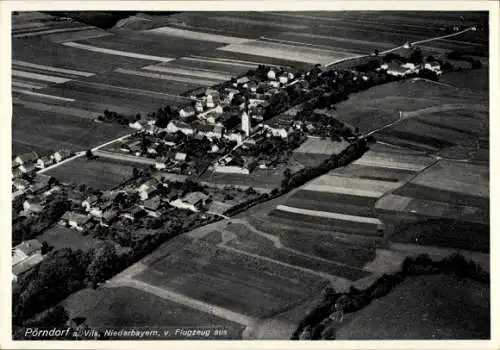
column 76, row 221
column 101, row 208
column 133, row 213
column 44, row 162
column 160, row 165
column 21, row 184
column 16, row 172
column 25, row 256
column 396, row 69
column 148, row 188
column 51, row 190
column 283, row 78
column 27, row 168
column 271, row 74
column 61, row 155
column 140, row 124
column 187, row 111
column 198, row 106
column 193, row 201
column 242, row 80
column 175, row 126
column 108, row 217
column 29, row 157
column 180, row 157
column 433, row 66
column 152, row 206
column 41, row 183
column 234, row 136
column 232, row 169
column 90, row 202
column 276, row 131
column 252, row 86
column 25, row 250
column 33, row 205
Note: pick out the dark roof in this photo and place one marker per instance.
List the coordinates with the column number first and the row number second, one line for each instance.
column 152, row 204
column 27, row 264
column 29, row 157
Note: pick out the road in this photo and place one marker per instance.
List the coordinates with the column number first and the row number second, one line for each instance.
column 401, row 46
column 82, row 153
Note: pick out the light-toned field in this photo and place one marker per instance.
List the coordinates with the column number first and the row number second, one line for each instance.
column 189, row 34
column 189, row 72
column 319, row 146
column 345, row 185
column 461, row 177
column 170, row 77
column 292, row 52
column 117, row 52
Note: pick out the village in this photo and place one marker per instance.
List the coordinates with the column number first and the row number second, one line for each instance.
column 251, row 122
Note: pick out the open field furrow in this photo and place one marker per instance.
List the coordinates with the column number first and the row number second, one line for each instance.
column 51, row 69
column 189, row 34
column 189, row 72
column 50, row 97
column 51, row 31
column 36, row 76
column 178, row 78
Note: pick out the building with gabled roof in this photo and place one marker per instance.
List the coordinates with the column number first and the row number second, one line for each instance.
column 29, row 157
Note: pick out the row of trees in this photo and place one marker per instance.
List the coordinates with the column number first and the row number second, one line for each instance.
column 320, row 323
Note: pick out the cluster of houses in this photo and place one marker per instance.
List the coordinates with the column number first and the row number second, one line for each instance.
column 151, row 201
column 232, row 113
column 33, row 194
column 399, row 69
column 30, row 162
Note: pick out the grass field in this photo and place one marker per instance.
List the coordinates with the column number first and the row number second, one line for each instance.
column 46, row 131
column 62, row 237
column 259, row 288
column 129, row 307
column 425, row 307
column 319, row 146
column 98, row 174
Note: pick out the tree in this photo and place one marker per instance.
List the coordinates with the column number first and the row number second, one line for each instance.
column 89, row 155
column 103, row 264
column 416, row 56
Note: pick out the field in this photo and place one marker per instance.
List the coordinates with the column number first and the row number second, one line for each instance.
column 425, row 307
column 47, row 131
column 62, row 237
column 130, row 307
column 97, row 174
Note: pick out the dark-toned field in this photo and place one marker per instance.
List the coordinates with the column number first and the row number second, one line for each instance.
column 241, row 283
column 425, row 307
column 98, row 174
column 130, row 307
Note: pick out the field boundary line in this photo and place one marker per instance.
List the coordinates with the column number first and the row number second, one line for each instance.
column 326, row 276
column 280, row 245
column 186, row 301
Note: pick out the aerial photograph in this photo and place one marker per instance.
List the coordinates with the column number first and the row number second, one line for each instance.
column 279, row 175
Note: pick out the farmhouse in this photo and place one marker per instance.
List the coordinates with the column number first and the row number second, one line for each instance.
column 242, row 80
column 134, row 213
column 175, row 126
column 140, row 124
column 25, row 256
column 433, row 66
column 44, row 162
column 30, row 157
column 187, row 111
column 148, row 188
column 108, row 217
column 16, row 172
column 152, row 206
column 33, row 205
column 27, row 168
column 193, row 201
column 20, row 184
column 76, row 221
column 41, row 184
column 61, row 155
column 180, row 157
column 90, row 202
